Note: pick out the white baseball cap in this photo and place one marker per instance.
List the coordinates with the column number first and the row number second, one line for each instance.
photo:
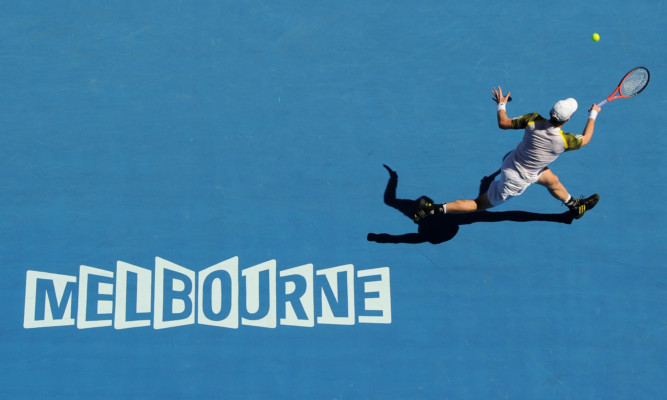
column 563, row 109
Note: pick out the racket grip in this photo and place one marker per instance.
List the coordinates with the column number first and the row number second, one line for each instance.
column 602, row 103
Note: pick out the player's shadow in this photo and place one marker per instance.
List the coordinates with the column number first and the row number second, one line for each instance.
column 441, row 228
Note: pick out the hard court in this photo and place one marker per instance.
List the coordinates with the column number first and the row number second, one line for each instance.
column 200, row 131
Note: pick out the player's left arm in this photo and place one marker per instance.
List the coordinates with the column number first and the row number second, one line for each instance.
column 504, row 122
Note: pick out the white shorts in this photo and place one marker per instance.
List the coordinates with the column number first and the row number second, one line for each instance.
column 509, row 184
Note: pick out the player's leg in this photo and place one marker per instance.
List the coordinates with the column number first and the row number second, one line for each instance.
column 550, row 181
column 427, row 209
column 497, row 194
column 464, row 206
column 577, row 206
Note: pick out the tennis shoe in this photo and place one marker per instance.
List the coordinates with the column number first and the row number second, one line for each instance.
column 425, row 209
column 582, row 205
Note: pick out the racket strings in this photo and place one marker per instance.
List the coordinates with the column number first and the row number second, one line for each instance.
column 634, row 82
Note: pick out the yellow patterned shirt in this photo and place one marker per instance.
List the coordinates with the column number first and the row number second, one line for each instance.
column 542, row 144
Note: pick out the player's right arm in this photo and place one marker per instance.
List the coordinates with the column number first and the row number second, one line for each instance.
column 590, row 125
column 504, row 122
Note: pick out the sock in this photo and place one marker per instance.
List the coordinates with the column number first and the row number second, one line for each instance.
column 571, row 202
column 444, row 208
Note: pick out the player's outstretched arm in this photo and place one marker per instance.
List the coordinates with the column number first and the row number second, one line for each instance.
column 590, row 124
column 504, row 122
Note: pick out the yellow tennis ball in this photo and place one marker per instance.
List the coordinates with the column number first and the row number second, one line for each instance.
column 596, row 37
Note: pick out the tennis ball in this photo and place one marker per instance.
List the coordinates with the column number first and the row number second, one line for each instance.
column 596, row 37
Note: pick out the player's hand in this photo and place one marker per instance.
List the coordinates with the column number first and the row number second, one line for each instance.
column 498, row 95
column 595, row 107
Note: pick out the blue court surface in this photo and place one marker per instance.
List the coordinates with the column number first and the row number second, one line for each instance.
column 193, row 202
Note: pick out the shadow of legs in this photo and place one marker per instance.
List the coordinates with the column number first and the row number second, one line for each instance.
column 442, row 228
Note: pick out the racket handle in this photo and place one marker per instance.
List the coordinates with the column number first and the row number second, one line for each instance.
column 602, row 103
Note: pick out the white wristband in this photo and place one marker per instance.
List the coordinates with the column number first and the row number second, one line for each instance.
column 501, row 106
column 592, row 115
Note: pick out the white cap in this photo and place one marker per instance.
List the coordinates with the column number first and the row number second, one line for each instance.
column 563, row 109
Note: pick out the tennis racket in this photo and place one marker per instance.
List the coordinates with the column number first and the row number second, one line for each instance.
column 631, row 85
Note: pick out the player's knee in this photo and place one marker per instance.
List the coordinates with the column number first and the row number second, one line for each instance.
column 553, row 181
column 550, row 180
column 482, row 202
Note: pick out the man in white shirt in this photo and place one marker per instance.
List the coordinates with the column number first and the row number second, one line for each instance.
column 542, row 143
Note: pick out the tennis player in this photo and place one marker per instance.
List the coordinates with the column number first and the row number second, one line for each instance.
column 542, row 143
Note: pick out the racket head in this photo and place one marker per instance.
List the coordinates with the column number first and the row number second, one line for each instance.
column 634, row 82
